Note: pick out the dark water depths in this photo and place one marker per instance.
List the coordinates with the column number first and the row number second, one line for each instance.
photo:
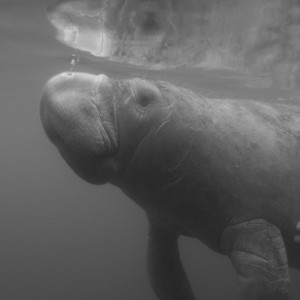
column 62, row 238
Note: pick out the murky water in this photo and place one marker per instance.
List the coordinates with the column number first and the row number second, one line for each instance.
column 62, row 238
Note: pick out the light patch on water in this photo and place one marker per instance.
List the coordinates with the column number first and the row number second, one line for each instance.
column 81, row 27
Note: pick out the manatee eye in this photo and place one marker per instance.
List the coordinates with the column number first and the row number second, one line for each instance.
column 144, row 100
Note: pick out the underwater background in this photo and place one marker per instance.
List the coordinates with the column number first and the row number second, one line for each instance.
column 62, row 238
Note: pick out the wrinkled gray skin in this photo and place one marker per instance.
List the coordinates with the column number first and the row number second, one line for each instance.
column 223, row 171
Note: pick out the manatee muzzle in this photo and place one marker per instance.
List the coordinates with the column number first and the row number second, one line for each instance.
column 78, row 114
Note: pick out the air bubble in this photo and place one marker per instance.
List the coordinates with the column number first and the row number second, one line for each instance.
column 74, row 61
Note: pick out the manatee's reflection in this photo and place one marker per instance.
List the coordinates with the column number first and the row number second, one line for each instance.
column 134, row 31
column 259, row 37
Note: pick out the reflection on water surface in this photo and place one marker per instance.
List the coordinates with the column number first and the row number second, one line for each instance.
column 258, row 37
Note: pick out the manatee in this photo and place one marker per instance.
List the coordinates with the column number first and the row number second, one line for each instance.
column 223, row 171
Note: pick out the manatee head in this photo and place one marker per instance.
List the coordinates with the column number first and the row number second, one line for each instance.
column 81, row 122
column 98, row 124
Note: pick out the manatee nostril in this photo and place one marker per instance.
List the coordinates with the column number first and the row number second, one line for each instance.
column 64, row 74
column 67, row 75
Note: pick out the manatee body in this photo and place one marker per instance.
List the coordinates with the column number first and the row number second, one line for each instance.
column 226, row 172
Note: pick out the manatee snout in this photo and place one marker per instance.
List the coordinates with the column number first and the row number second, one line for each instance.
column 77, row 111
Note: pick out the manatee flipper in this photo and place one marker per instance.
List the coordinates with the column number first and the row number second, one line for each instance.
column 258, row 254
column 166, row 273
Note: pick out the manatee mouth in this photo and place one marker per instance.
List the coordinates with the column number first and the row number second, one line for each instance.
column 79, row 116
